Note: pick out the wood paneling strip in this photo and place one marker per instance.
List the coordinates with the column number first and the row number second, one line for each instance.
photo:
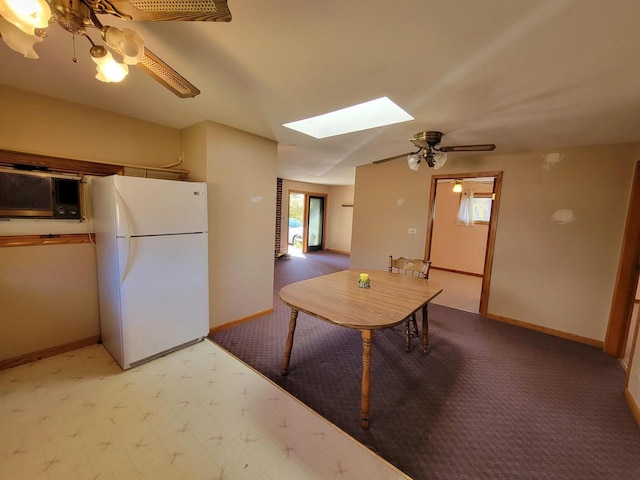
column 240, row 321
column 47, row 352
column 471, row 274
column 58, row 164
column 550, row 331
column 30, row 240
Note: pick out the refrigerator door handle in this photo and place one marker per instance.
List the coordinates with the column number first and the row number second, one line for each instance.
column 123, row 215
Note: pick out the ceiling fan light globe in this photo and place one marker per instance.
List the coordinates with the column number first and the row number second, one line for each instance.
column 439, row 159
column 128, row 43
column 17, row 40
column 132, row 46
column 27, row 15
column 108, row 69
column 414, row 161
column 113, row 36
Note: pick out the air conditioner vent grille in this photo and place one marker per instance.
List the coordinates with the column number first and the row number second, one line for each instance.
column 25, row 192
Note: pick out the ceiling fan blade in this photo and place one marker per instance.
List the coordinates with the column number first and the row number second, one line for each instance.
column 403, row 155
column 166, row 76
column 488, row 147
column 168, row 10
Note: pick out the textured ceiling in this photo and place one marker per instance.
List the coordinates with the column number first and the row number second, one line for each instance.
column 521, row 74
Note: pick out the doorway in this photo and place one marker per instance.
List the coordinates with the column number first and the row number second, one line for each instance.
column 315, row 220
column 481, row 267
column 306, row 229
column 619, row 333
column 295, row 229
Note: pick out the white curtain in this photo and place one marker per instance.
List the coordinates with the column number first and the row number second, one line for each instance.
column 465, row 212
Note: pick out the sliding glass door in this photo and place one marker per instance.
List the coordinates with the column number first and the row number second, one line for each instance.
column 315, row 209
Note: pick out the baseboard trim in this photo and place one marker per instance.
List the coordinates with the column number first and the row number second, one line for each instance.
column 457, row 271
column 239, row 321
column 547, row 330
column 47, row 352
column 336, row 251
column 632, row 405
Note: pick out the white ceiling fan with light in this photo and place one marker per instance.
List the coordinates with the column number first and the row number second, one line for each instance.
column 429, row 150
column 23, row 24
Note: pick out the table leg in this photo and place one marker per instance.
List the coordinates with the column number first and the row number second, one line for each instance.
column 289, row 345
column 425, row 329
column 367, row 340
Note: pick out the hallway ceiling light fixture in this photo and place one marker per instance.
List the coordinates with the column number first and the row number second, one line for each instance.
column 457, row 186
column 23, row 24
column 374, row 113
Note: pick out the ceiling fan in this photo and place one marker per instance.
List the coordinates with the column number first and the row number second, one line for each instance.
column 22, row 24
column 429, row 149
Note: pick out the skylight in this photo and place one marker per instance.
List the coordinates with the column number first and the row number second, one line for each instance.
column 375, row 113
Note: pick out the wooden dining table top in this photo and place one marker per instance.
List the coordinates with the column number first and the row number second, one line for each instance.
column 337, row 298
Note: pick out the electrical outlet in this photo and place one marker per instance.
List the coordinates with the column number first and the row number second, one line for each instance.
column 413, row 231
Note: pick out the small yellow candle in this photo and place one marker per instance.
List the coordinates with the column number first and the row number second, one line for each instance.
column 364, row 277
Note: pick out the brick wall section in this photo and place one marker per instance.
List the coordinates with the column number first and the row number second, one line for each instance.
column 278, row 243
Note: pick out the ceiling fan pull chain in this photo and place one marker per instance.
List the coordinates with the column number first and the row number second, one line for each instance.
column 74, row 59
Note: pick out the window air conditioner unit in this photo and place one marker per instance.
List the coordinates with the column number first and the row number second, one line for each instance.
column 28, row 194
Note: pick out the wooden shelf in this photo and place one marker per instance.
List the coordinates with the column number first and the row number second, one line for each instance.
column 52, row 239
column 48, row 163
column 57, row 164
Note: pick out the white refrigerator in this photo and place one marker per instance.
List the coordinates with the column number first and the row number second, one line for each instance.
column 151, row 244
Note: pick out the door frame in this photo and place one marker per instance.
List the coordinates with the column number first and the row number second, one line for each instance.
column 493, row 226
column 305, row 220
column 627, row 277
column 305, row 240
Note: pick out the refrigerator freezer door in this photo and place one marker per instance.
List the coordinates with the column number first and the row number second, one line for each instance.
column 164, row 294
column 148, row 206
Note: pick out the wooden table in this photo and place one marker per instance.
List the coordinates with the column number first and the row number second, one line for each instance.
column 336, row 298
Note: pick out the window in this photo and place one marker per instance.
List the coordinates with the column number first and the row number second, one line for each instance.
column 482, row 207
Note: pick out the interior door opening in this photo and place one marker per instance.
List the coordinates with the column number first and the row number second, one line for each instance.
column 620, row 336
column 314, row 240
column 306, row 227
column 466, row 249
column 295, row 229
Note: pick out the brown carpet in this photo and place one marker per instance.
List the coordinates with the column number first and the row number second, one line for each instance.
column 491, row 401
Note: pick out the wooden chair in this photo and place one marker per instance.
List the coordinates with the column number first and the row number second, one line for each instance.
column 420, row 269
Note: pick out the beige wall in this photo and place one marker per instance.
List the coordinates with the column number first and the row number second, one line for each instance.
column 387, row 203
column 49, row 297
column 554, row 275
column 339, row 219
column 38, row 124
column 454, row 246
column 240, row 171
column 340, row 223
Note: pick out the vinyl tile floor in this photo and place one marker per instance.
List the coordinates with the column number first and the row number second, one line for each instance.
column 459, row 291
column 197, row 413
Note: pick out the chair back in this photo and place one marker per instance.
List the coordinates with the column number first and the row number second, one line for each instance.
column 411, row 267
